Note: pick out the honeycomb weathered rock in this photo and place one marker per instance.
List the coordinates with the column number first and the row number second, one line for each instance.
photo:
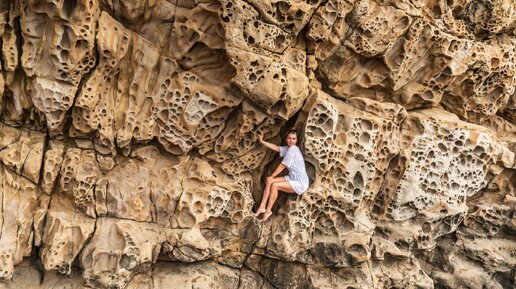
column 130, row 154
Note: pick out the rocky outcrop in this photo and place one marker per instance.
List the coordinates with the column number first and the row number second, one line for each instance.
column 129, row 153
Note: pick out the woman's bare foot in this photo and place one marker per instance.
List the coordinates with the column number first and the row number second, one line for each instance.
column 259, row 211
column 266, row 216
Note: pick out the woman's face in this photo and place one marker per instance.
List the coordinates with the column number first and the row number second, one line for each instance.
column 291, row 139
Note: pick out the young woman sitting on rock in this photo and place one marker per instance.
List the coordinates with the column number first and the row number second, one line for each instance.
column 295, row 182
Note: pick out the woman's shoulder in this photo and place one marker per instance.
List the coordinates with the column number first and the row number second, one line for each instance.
column 295, row 148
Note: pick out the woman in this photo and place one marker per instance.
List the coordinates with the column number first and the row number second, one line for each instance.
column 295, row 182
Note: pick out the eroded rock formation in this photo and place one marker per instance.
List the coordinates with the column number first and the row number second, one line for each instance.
column 129, row 153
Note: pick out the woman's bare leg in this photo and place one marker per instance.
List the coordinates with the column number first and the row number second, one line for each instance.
column 265, row 195
column 283, row 186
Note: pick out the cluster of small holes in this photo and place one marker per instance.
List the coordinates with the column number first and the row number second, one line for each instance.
column 289, row 16
column 226, row 204
column 72, row 41
column 253, row 31
column 484, row 18
column 283, row 106
column 53, row 259
column 376, row 34
column 210, row 128
column 347, row 150
column 169, row 111
column 235, row 141
column 320, row 132
column 212, row 201
column 246, row 163
column 418, row 36
column 488, row 219
column 297, row 227
column 487, row 90
column 71, row 53
column 448, row 165
column 356, row 178
column 327, row 18
column 52, row 163
column 131, row 256
column 6, row 262
column 330, row 220
column 10, row 49
column 78, row 177
column 54, row 102
column 198, row 107
column 432, row 230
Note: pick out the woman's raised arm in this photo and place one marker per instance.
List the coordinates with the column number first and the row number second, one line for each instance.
column 269, row 145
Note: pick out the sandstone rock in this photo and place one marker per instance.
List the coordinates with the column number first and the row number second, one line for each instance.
column 21, row 151
column 129, row 153
column 428, row 184
column 21, row 154
column 118, row 250
column 18, row 196
column 52, row 166
column 400, row 77
column 476, row 98
column 396, row 267
column 58, row 49
column 482, row 244
column 79, row 173
column 180, row 108
column 66, row 233
column 488, row 18
column 245, row 29
column 203, row 275
column 326, row 226
column 29, row 276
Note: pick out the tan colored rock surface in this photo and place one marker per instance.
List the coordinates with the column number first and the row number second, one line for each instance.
column 58, row 49
column 65, row 235
column 18, row 204
column 119, row 249
column 341, row 141
column 129, row 153
column 21, row 154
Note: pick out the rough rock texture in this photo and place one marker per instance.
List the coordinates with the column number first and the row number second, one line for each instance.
column 129, row 153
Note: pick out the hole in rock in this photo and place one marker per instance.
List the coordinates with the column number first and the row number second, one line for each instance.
column 69, row 7
column 358, row 180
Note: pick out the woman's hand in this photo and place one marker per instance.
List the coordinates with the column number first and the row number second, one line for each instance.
column 268, row 144
column 269, row 179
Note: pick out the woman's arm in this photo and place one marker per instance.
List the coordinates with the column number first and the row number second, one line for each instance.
column 278, row 170
column 269, row 145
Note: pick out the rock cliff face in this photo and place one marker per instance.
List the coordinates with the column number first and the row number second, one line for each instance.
column 129, row 153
